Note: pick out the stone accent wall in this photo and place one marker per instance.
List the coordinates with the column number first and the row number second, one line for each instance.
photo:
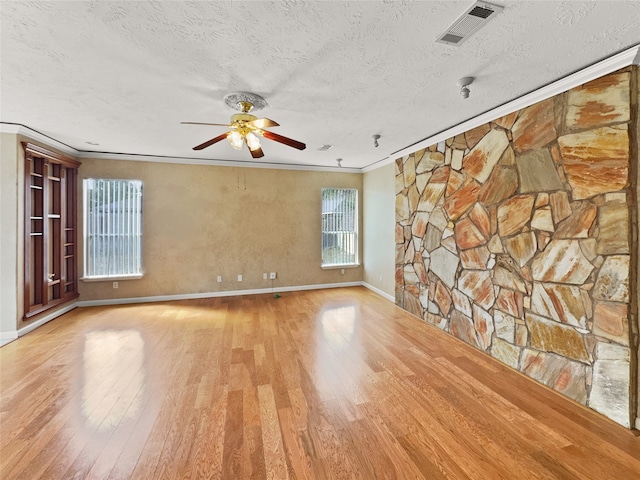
column 515, row 238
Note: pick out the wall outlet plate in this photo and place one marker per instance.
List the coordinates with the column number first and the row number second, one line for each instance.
column 219, row 279
column 239, row 278
column 264, row 276
column 272, row 275
column 115, row 284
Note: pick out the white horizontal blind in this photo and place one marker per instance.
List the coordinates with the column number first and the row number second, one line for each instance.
column 112, row 228
column 339, row 226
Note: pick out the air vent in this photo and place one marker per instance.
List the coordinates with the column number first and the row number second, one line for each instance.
column 476, row 16
column 325, row 147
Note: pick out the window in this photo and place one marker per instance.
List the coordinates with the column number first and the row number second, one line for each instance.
column 339, row 227
column 112, row 228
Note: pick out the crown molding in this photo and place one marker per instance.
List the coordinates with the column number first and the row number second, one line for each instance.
column 380, row 163
column 34, row 135
column 630, row 56
column 24, row 131
column 211, row 162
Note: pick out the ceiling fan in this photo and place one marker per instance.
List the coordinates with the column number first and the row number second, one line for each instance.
column 245, row 128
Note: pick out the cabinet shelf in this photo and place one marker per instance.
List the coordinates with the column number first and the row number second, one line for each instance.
column 50, row 222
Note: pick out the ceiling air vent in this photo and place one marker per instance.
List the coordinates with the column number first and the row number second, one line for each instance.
column 468, row 23
column 325, row 147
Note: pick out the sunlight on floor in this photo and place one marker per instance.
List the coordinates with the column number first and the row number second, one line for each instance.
column 338, row 325
column 113, row 377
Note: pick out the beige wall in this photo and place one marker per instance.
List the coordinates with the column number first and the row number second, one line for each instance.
column 8, row 235
column 379, row 220
column 200, row 222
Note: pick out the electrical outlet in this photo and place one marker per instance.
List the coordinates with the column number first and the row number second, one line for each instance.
column 219, row 278
column 272, row 275
column 342, row 271
column 239, row 278
column 380, row 277
column 115, row 284
column 264, row 276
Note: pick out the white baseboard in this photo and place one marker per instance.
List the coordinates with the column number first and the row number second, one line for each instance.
column 46, row 318
column 8, row 337
column 391, row 298
column 229, row 293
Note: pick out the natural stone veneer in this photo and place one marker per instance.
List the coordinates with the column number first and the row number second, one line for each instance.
column 515, row 238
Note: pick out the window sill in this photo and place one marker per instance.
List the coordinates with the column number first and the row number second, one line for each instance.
column 115, row 278
column 337, row 266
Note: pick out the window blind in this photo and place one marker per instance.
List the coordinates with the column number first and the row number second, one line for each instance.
column 112, row 228
column 339, row 226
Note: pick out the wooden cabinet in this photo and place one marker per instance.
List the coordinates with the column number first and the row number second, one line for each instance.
column 50, row 254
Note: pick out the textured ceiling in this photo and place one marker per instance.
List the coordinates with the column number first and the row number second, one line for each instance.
column 125, row 74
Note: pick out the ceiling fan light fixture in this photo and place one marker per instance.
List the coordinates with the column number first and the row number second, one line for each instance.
column 252, row 141
column 235, row 139
column 245, row 128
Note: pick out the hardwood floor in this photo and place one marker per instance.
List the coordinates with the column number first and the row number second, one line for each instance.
column 317, row 384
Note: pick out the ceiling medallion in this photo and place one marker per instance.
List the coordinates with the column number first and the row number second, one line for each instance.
column 236, row 100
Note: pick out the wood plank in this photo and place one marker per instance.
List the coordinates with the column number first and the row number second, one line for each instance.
column 258, row 387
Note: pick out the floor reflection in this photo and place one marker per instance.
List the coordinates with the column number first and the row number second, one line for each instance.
column 338, row 325
column 337, row 372
column 113, row 377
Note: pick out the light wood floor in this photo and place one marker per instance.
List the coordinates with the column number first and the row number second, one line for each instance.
column 318, row 384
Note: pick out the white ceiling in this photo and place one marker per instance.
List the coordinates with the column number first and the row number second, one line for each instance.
column 125, row 74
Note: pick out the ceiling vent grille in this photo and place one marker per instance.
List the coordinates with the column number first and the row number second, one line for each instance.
column 468, row 23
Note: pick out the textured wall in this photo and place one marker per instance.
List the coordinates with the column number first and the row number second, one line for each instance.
column 515, row 237
column 8, row 234
column 201, row 221
column 377, row 204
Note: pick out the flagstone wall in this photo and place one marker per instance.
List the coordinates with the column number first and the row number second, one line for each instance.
column 515, row 238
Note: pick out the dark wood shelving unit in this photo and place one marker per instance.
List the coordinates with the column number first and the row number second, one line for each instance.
column 50, row 260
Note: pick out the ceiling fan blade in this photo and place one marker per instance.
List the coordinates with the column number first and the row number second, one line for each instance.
column 257, row 153
column 263, row 123
column 212, row 141
column 287, row 141
column 200, row 123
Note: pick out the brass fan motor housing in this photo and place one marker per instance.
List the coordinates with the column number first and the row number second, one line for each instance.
column 243, row 117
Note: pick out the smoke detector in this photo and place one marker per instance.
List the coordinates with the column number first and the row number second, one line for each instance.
column 476, row 16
